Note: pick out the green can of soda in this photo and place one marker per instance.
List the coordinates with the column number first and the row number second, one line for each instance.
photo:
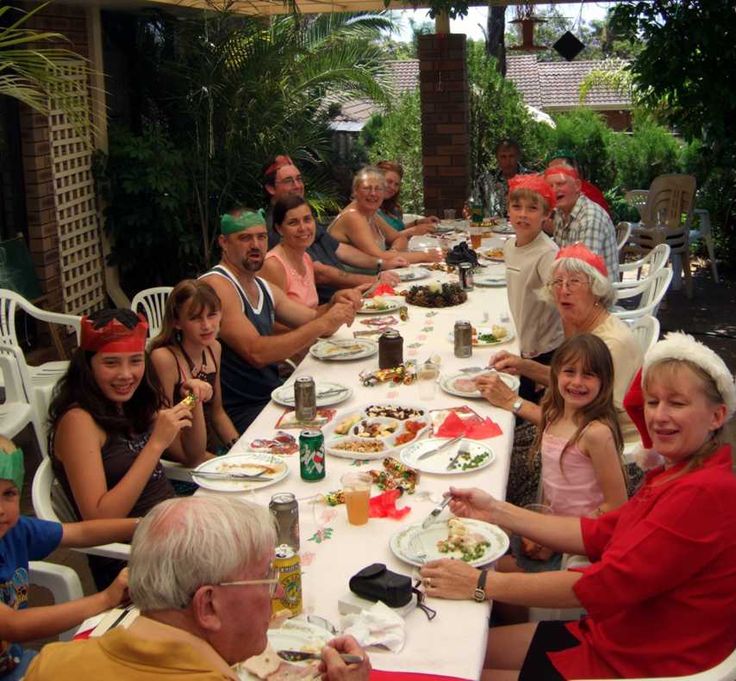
column 312, row 455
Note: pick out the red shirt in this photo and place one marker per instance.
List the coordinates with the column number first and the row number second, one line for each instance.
column 661, row 591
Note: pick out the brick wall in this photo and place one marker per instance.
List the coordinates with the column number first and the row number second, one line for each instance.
column 43, row 225
column 443, row 86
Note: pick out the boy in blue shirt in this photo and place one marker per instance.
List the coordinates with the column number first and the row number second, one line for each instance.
column 23, row 539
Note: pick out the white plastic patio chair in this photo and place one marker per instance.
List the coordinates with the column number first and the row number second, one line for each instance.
column 654, row 261
column 704, row 232
column 725, row 671
column 61, row 580
column 153, row 302
column 652, row 290
column 43, row 378
column 50, row 503
column 623, row 232
column 646, row 332
column 17, row 411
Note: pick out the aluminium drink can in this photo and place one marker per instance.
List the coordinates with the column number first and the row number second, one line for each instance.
column 312, row 455
column 305, row 399
column 465, row 272
column 285, row 509
column 463, row 339
column 286, row 561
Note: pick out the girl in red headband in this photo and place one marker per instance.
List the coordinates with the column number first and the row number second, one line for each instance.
column 108, row 427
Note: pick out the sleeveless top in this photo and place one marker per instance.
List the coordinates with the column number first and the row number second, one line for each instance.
column 206, row 376
column 572, row 490
column 392, row 219
column 378, row 235
column 118, row 454
column 242, row 383
column 299, row 287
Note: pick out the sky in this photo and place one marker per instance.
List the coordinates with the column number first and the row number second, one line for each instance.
column 474, row 23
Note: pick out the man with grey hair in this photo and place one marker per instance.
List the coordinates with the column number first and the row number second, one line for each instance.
column 201, row 574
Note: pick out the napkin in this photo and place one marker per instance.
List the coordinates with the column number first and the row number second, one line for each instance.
column 383, row 290
column 377, row 626
column 454, row 426
column 384, row 506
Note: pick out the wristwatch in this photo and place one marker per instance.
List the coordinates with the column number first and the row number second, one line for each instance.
column 479, row 595
column 379, row 265
column 516, row 406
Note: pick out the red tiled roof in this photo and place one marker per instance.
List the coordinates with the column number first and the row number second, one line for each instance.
column 555, row 86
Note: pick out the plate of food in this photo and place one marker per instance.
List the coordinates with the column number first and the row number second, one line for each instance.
column 327, row 394
column 473, row 456
column 490, row 280
column 473, row 541
column 411, row 273
column 379, row 305
column 375, row 431
column 436, row 295
column 495, row 254
column 344, row 349
column 221, row 474
column 462, row 384
column 488, row 336
column 294, row 635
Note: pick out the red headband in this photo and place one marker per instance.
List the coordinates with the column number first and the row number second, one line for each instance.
column 562, row 170
column 279, row 162
column 114, row 336
column 535, row 183
column 580, row 251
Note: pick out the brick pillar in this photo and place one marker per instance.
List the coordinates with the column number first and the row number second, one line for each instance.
column 443, row 86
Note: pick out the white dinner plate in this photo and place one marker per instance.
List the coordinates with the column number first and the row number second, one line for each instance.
column 416, row 546
column 331, row 393
column 293, row 635
column 477, row 343
column 344, row 349
column 503, row 228
column 447, row 383
column 490, row 280
column 385, row 308
column 248, row 462
column 411, row 273
column 479, row 456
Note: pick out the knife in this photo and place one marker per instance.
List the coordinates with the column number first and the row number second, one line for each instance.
column 229, row 476
column 299, row 655
column 324, row 393
column 436, row 511
column 439, row 448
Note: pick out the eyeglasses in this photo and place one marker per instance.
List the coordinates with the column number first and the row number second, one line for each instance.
column 372, row 188
column 291, row 181
column 272, row 581
column 572, row 284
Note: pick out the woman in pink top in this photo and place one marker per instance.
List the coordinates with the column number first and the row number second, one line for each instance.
column 288, row 265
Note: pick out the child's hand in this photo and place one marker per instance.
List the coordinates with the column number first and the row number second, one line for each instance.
column 117, row 592
column 168, row 424
column 201, row 389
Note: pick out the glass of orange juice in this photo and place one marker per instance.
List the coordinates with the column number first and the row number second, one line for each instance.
column 357, row 489
column 476, row 234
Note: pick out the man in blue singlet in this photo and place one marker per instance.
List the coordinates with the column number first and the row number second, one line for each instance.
column 250, row 305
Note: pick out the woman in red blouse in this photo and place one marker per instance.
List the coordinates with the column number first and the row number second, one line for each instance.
column 660, row 593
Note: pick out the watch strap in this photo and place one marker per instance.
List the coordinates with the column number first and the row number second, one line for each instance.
column 517, row 405
column 479, row 595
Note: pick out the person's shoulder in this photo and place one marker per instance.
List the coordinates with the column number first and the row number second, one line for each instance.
column 60, row 660
column 596, row 434
column 164, row 356
column 76, row 417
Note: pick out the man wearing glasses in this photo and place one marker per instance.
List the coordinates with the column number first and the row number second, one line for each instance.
column 281, row 178
column 201, row 575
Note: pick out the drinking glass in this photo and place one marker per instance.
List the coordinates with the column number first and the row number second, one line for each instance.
column 357, row 490
column 427, row 380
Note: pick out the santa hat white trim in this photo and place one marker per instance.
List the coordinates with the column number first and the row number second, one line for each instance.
column 682, row 346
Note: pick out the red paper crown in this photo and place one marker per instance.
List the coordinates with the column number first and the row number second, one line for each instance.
column 562, row 170
column 279, row 162
column 535, row 183
column 114, row 336
column 580, row 251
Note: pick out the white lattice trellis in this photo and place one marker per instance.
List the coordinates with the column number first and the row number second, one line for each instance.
column 80, row 250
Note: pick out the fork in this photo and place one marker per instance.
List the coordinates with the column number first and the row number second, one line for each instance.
column 414, row 547
column 463, row 449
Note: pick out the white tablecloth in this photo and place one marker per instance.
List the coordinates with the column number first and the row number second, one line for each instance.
column 454, row 643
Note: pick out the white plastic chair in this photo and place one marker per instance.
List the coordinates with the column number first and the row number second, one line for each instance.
column 652, row 290
column 63, row 583
column 623, row 232
column 704, row 232
column 43, row 378
column 153, row 302
column 646, row 332
column 17, row 411
column 50, row 503
column 654, row 261
column 725, row 671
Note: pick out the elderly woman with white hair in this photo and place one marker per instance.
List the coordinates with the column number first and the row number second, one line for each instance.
column 359, row 224
column 202, row 575
column 582, row 292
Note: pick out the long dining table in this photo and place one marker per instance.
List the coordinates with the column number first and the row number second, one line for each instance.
column 452, row 644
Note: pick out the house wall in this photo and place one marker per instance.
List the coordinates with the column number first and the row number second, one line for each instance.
column 619, row 120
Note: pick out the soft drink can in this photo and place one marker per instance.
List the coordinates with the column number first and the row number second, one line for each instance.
column 287, row 562
column 285, row 509
column 312, row 455
column 463, row 339
column 305, row 399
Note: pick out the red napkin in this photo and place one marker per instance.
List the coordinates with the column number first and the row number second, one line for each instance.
column 384, row 506
column 453, row 426
column 383, row 290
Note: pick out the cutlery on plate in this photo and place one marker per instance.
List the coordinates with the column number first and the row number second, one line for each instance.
column 435, row 512
column 463, row 449
column 298, row 656
column 439, row 448
column 230, row 476
column 324, row 393
column 346, row 353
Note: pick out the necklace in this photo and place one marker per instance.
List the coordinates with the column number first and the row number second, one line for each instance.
column 200, row 373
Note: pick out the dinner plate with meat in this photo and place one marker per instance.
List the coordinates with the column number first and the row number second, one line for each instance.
column 463, row 384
